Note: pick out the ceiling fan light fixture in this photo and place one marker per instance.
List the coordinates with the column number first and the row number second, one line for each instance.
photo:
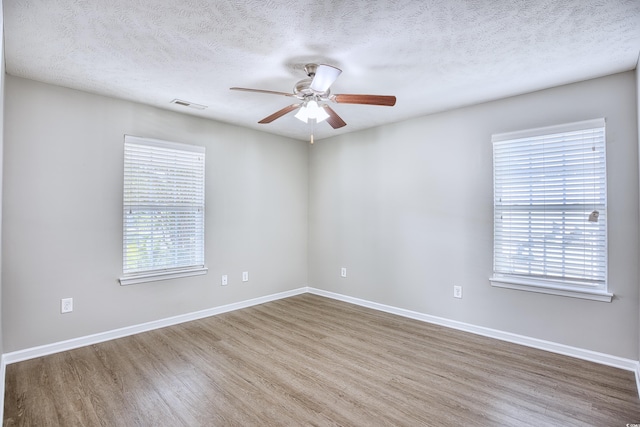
column 311, row 110
column 302, row 114
column 324, row 76
column 321, row 115
column 315, row 89
column 312, row 107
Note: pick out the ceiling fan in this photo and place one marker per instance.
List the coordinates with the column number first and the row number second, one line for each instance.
column 314, row 92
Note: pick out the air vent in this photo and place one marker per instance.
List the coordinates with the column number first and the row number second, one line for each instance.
column 188, row 104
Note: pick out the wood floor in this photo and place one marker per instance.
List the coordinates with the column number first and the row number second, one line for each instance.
column 309, row 360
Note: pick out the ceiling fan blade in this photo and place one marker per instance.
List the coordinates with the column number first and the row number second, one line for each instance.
column 334, row 119
column 324, row 78
column 280, row 113
column 272, row 92
column 383, row 100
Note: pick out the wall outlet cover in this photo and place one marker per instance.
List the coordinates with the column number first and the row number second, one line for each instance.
column 457, row 291
column 66, row 305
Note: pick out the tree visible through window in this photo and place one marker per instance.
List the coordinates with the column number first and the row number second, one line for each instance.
column 163, row 208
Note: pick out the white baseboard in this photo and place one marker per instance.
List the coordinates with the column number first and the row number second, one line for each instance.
column 43, row 350
column 605, row 359
column 3, row 369
column 637, row 371
column 579, row 353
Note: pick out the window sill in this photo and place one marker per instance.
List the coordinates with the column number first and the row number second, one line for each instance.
column 551, row 288
column 162, row 275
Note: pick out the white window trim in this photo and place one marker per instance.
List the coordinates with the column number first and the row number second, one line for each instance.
column 562, row 288
column 134, row 279
column 565, row 288
column 157, row 275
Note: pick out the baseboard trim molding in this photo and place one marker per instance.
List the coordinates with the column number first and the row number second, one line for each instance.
column 3, row 370
column 579, row 353
column 637, row 372
column 43, row 350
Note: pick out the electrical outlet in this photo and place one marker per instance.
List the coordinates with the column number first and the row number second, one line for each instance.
column 245, row 276
column 343, row 272
column 66, row 305
column 457, row 291
column 225, row 280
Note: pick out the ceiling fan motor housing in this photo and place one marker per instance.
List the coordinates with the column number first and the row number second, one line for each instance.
column 303, row 90
column 310, row 70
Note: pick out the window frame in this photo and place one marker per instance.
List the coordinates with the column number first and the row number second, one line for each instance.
column 168, row 200
column 551, row 285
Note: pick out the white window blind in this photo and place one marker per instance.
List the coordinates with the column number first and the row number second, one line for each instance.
column 163, row 207
column 547, row 183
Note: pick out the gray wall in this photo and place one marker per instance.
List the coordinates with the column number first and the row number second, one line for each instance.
column 63, row 214
column 407, row 208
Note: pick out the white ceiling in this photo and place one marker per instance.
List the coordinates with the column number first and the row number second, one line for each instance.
column 432, row 54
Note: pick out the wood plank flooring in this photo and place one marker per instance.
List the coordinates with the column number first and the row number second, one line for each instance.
column 309, row 360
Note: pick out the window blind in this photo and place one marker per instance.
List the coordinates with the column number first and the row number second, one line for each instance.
column 163, row 206
column 547, row 182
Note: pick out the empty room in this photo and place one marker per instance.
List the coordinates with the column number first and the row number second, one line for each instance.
column 356, row 213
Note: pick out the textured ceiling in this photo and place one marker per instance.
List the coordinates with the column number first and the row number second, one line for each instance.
column 432, row 54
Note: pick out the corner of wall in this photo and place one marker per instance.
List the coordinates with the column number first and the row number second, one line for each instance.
column 2, row 71
column 638, row 125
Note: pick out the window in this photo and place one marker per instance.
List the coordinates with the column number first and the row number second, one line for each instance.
column 163, row 210
column 550, row 210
